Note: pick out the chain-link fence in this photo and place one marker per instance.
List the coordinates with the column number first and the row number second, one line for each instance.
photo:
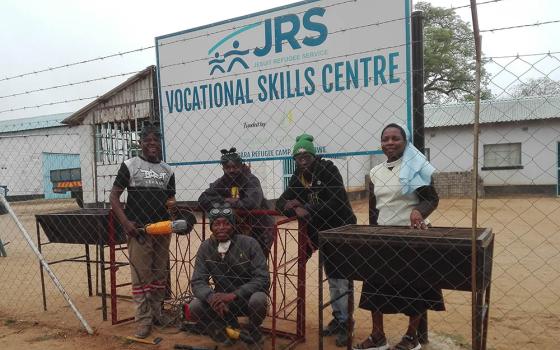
column 62, row 173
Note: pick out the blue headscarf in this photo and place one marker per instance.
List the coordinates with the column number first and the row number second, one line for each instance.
column 416, row 171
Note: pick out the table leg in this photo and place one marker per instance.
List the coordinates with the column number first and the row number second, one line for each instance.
column 103, row 285
column 41, row 267
column 423, row 329
column 88, row 271
column 321, row 265
column 478, row 321
column 2, row 249
column 486, row 317
column 350, row 321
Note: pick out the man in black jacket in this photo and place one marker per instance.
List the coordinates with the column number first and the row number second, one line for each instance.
column 240, row 276
column 316, row 195
column 241, row 190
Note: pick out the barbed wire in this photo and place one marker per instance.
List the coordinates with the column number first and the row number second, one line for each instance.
column 536, row 24
column 208, row 58
column 224, row 76
column 550, row 53
column 69, row 84
column 48, row 104
column 49, row 69
column 100, row 58
column 469, row 5
column 274, row 68
column 36, row 135
column 198, row 59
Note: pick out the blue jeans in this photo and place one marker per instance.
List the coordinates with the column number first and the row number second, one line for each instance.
column 338, row 287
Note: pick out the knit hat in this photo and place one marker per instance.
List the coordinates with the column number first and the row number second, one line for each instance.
column 148, row 129
column 304, row 143
column 221, row 211
column 230, row 156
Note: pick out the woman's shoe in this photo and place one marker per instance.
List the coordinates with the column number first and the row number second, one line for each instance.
column 373, row 343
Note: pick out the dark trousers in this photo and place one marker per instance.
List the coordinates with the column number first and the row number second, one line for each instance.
column 254, row 308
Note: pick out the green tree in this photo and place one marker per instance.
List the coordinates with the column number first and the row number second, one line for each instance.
column 449, row 57
column 543, row 86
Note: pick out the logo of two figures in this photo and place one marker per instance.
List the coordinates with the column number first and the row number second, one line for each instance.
column 216, row 63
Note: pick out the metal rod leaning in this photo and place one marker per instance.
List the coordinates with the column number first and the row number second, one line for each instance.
column 46, row 266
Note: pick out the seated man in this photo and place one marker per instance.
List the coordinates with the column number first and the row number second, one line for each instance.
column 241, row 190
column 240, row 276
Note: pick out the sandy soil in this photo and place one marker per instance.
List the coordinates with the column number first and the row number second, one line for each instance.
column 525, row 305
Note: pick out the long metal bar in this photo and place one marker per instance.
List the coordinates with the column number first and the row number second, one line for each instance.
column 302, row 261
column 417, row 31
column 418, row 80
column 46, row 266
column 88, row 270
column 41, row 267
column 321, row 305
column 112, row 268
column 476, row 336
column 274, row 277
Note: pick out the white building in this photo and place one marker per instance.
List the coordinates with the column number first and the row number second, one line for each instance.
column 518, row 148
column 32, row 147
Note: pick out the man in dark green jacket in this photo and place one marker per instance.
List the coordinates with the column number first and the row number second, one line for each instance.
column 240, row 276
column 316, row 195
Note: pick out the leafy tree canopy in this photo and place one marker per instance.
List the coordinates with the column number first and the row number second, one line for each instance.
column 449, row 57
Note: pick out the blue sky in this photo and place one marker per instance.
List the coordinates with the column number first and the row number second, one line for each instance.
column 38, row 34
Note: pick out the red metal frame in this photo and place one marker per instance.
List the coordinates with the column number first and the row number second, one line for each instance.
column 113, row 267
column 286, row 272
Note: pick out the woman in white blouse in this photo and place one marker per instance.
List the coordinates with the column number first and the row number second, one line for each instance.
column 402, row 194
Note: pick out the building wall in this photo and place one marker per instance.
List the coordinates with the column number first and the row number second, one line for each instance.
column 451, row 151
column 21, row 162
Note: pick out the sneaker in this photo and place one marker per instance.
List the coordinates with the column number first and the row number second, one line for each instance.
column 408, row 343
column 332, row 328
column 143, row 331
column 373, row 343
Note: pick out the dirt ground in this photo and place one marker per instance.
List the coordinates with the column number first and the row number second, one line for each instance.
column 524, row 311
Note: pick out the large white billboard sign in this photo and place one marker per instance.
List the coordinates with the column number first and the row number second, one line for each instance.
column 338, row 70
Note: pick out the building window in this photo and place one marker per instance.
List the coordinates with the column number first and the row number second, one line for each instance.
column 117, row 141
column 502, row 156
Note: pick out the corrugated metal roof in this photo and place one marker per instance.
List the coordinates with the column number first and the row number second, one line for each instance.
column 493, row 111
column 78, row 116
column 40, row 122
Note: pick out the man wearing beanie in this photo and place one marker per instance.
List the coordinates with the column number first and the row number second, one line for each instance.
column 316, row 195
column 242, row 190
column 240, row 277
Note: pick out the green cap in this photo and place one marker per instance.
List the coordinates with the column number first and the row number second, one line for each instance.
column 304, row 143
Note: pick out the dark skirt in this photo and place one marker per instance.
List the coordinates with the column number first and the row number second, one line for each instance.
column 411, row 301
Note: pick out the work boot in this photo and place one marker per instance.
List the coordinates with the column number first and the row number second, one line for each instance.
column 143, row 331
column 332, row 328
column 343, row 334
column 165, row 319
